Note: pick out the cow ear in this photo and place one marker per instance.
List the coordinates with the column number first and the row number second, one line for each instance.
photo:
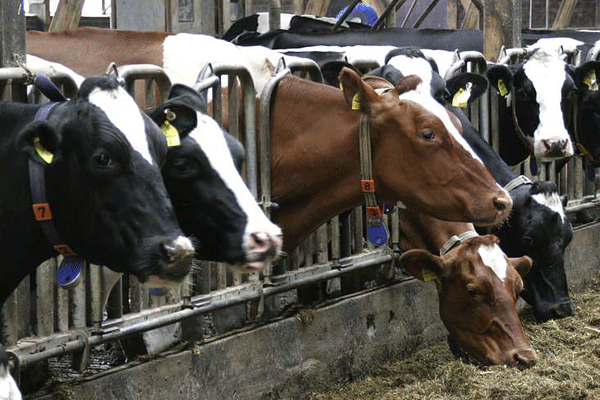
column 564, row 199
column 465, row 88
column 586, row 75
column 422, row 264
column 175, row 114
column 195, row 99
column 521, row 264
column 357, row 93
column 41, row 141
column 500, row 77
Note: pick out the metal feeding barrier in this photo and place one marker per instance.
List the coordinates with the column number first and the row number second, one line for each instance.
column 336, row 254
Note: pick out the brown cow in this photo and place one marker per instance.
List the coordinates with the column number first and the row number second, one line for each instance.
column 478, row 287
column 315, row 161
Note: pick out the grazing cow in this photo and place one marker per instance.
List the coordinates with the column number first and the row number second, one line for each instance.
column 211, row 200
column 536, row 227
column 418, row 156
column 477, row 285
column 100, row 156
column 535, row 99
column 8, row 387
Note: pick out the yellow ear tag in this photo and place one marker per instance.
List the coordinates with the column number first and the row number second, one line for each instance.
column 42, row 152
column 590, row 81
column 428, row 275
column 502, row 88
column 356, row 102
column 171, row 134
column 461, row 97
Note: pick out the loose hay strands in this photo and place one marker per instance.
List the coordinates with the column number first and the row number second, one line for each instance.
column 568, row 367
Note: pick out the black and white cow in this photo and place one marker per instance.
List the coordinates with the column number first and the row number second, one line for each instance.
column 101, row 159
column 537, row 226
column 210, row 198
column 535, row 103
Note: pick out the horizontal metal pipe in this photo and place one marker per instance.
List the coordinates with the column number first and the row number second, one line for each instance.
column 164, row 320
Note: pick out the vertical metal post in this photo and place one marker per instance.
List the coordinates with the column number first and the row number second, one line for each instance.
column 45, row 297
column 12, row 34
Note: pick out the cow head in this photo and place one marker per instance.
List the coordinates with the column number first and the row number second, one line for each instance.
column 587, row 131
column 538, row 97
column 478, row 287
column 410, row 122
column 211, row 200
column 539, row 228
column 104, row 185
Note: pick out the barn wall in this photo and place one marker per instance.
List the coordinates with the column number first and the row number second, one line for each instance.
column 310, row 351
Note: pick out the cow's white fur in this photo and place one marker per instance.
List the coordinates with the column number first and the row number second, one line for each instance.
column 210, row 138
column 123, row 112
column 37, row 64
column 8, row 386
column 422, row 94
column 185, row 54
column 547, row 73
column 552, row 201
column 493, row 257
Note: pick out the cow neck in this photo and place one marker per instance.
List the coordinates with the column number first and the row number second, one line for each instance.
column 578, row 143
column 522, row 137
column 41, row 207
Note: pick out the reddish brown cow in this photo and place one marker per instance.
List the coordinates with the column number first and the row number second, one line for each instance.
column 315, row 161
column 478, row 287
column 88, row 51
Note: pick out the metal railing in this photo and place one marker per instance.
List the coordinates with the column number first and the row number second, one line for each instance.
column 336, row 254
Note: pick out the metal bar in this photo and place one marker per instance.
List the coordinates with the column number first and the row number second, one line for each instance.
column 425, row 13
column 382, row 18
column 253, row 292
column 410, row 10
column 345, row 15
column 133, row 72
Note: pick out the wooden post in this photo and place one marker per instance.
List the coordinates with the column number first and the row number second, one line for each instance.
column 12, row 34
column 67, row 15
column 501, row 26
column 564, row 15
column 317, row 7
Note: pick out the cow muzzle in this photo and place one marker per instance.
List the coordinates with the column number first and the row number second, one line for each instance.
column 553, row 148
column 261, row 248
column 177, row 257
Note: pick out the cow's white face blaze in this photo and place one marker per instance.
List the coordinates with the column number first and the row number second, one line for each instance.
column 546, row 71
column 422, row 95
column 552, row 201
column 494, row 258
column 123, row 112
column 259, row 231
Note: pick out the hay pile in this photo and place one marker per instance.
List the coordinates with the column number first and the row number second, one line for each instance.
column 568, row 367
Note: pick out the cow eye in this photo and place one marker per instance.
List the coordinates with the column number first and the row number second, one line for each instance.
column 522, row 94
column 102, row 160
column 427, row 135
column 472, row 291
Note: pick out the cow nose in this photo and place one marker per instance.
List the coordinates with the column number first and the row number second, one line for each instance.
column 558, row 310
column 263, row 245
column 525, row 357
column 554, row 147
column 178, row 256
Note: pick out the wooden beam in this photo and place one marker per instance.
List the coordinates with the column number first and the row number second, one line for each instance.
column 452, row 18
column 67, row 15
column 12, row 34
column 501, row 26
column 471, row 18
column 317, row 7
column 564, row 15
